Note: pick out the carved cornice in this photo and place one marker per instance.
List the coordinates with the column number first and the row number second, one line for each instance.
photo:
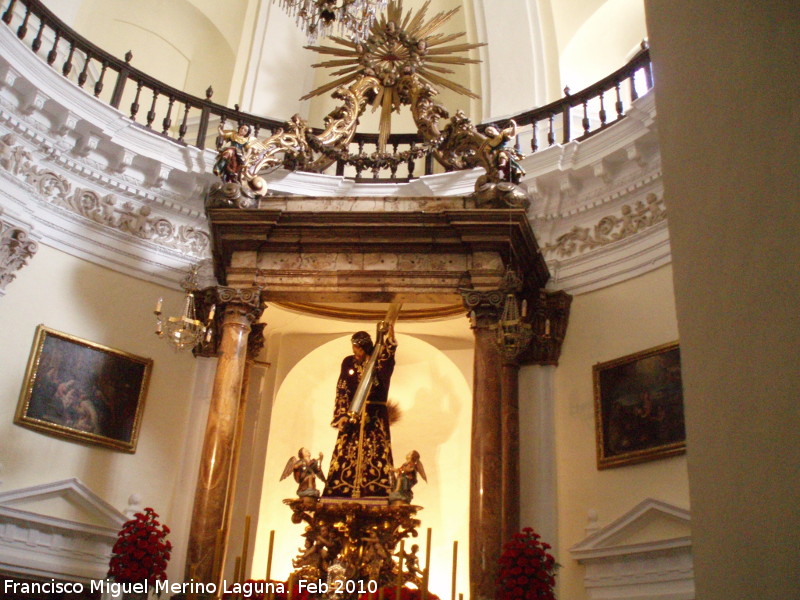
column 16, row 248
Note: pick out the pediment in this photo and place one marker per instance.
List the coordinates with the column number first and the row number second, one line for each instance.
column 649, row 526
column 66, row 501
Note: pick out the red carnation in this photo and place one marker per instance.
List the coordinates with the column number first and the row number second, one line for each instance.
column 526, row 571
column 140, row 552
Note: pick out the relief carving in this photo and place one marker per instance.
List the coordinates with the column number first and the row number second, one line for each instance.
column 107, row 210
column 609, row 229
column 16, row 248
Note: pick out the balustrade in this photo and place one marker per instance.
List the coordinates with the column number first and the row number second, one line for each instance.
column 191, row 120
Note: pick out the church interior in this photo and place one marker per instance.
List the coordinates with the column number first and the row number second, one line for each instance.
column 536, row 280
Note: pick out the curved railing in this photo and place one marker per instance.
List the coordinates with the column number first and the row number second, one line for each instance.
column 191, row 120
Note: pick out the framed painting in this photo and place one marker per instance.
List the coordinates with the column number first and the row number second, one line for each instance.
column 638, row 402
column 82, row 391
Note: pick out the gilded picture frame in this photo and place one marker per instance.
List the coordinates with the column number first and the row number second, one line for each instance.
column 83, row 391
column 638, row 402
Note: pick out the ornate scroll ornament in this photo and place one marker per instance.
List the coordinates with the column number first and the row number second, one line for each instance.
column 609, row 229
column 107, row 210
column 398, row 65
column 16, row 248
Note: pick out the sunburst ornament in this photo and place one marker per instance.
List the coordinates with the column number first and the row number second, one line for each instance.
column 397, row 46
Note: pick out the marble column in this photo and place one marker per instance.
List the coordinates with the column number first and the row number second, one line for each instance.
column 254, row 346
column 509, row 449
column 486, row 470
column 240, row 308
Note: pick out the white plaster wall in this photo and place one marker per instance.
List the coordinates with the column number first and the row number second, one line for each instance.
column 606, row 324
column 76, row 297
column 591, row 53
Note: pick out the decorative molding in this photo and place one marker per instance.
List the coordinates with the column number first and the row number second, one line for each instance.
column 643, row 555
column 609, row 229
column 123, row 216
column 36, row 544
column 16, row 248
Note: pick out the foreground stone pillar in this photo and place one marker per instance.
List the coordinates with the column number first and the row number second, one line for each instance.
column 509, row 448
column 240, row 309
column 486, row 472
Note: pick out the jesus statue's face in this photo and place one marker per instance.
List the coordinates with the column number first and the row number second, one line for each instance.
column 359, row 353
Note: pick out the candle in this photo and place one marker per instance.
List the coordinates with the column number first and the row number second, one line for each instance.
column 212, row 312
column 245, row 543
column 269, row 554
column 426, row 574
column 158, row 305
column 455, row 562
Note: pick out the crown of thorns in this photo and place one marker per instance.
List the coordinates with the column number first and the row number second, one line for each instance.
column 363, row 340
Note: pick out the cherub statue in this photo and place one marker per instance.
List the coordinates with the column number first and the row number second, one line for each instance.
column 305, row 470
column 408, row 564
column 233, row 152
column 503, row 154
column 406, row 478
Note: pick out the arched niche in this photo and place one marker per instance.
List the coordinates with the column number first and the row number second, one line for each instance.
column 435, row 398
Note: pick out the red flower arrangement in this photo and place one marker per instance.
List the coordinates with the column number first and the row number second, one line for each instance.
column 141, row 552
column 527, row 570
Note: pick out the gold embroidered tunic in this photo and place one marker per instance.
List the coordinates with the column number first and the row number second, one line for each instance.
column 376, row 446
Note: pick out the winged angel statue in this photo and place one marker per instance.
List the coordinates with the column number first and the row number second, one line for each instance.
column 305, row 470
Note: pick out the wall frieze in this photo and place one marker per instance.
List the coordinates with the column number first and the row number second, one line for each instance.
column 123, row 216
column 632, row 219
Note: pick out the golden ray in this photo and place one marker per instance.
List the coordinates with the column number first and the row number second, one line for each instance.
column 439, row 38
column 342, row 41
column 329, row 86
column 414, row 24
column 343, row 71
column 436, row 22
column 453, row 60
column 331, row 50
column 447, row 83
column 456, row 48
column 338, row 63
column 439, row 69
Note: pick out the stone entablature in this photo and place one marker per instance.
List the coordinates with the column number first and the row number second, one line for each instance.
column 94, row 184
column 412, row 255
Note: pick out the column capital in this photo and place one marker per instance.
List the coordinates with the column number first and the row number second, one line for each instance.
column 485, row 307
column 247, row 299
column 242, row 303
